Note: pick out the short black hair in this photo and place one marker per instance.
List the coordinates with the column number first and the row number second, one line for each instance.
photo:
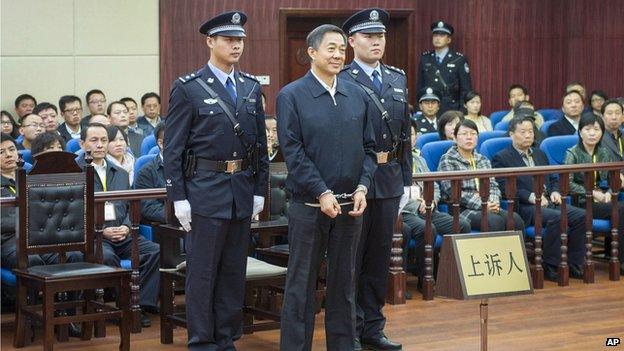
column 6, row 137
column 44, row 106
column 445, row 119
column 315, row 37
column 44, row 140
column 600, row 93
column 93, row 91
column 67, row 99
column 159, row 129
column 84, row 130
column 565, row 95
column 517, row 121
column 110, row 106
column 112, row 133
column 518, row 86
column 23, row 97
column 468, row 124
column 588, row 119
column 127, row 99
column 610, row 102
column 149, row 95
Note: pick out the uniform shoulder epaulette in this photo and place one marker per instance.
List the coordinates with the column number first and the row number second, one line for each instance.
column 428, row 52
column 345, row 67
column 458, row 53
column 189, row 77
column 398, row 70
column 250, row 76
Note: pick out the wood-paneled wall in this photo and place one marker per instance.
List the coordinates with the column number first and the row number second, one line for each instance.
column 542, row 44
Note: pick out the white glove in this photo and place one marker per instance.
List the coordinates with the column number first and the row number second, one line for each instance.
column 404, row 198
column 182, row 210
column 258, row 205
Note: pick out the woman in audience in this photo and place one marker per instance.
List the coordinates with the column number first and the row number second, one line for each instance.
column 596, row 99
column 48, row 141
column 588, row 150
column 447, row 123
column 9, row 126
column 118, row 151
column 473, row 111
column 463, row 157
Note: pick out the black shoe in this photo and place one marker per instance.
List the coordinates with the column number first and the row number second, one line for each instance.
column 380, row 344
column 576, row 271
column 550, row 273
column 75, row 330
column 150, row 309
column 357, row 346
column 145, row 321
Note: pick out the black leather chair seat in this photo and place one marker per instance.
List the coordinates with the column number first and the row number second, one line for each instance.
column 70, row 269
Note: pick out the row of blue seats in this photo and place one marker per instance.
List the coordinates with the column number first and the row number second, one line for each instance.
column 549, row 114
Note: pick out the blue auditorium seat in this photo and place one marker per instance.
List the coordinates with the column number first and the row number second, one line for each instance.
column 546, row 125
column 154, row 151
column 502, row 125
column 433, row 151
column 140, row 162
column 491, row 147
column 555, row 147
column 551, row 114
column 73, row 145
column 497, row 116
column 426, row 138
column 26, row 155
column 487, row 135
column 148, row 143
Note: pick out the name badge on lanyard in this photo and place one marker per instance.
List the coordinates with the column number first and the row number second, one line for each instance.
column 109, row 212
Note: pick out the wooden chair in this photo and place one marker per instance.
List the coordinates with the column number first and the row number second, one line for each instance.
column 56, row 206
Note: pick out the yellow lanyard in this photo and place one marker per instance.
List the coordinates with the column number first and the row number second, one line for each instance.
column 595, row 172
column 621, row 144
column 11, row 189
column 473, row 165
column 103, row 180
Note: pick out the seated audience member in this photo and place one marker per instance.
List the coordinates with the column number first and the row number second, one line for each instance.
column 101, row 119
column 578, row 86
column 463, row 157
column 24, row 105
column 447, row 123
column 519, row 94
column 528, row 112
column 71, row 110
column 117, row 243
column 152, row 176
column 8, row 161
column 429, row 104
column 48, row 113
column 596, row 99
column 133, row 108
column 9, row 125
column 47, row 141
column 271, row 133
column 572, row 107
column 31, row 126
column 96, row 103
column 589, row 150
column 472, row 105
column 118, row 151
column 522, row 154
column 150, row 103
column 118, row 115
column 613, row 138
column 414, row 214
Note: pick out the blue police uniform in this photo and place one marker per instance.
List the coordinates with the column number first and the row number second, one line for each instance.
column 451, row 77
column 394, row 172
column 221, row 197
column 328, row 144
column 424, row 124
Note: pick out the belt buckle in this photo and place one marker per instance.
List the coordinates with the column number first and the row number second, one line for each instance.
column 232, row 166
column 382, row 157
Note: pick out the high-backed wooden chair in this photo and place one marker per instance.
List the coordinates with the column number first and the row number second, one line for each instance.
column 55, row 207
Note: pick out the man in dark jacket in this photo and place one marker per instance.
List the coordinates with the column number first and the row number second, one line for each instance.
column 152, row 176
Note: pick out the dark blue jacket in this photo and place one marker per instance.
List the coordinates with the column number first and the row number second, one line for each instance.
column 145, row 126
column 451, row 78
column 194, row 121
column 325, row 146
column 389, row 179
column 561, row 127
column 152, row 176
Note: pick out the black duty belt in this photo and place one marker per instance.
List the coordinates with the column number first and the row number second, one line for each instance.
column 384, row 157
column 231, row 166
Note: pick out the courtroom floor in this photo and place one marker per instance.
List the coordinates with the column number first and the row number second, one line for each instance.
column 578, row 317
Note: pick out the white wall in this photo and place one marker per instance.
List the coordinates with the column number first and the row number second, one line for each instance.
column 50, row 48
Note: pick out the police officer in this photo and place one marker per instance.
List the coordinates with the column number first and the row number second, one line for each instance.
column 325, row 133
column 445, row 70
column 216, row 171
column 429, row 104
column 387, row 89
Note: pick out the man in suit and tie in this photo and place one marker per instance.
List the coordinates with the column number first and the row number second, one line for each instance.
column 522, row 154
column 572, row 107
column 613, row 140
column 216, row 174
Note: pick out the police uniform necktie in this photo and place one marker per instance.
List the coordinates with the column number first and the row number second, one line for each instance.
column 377, row 82
column 229, row 86
column 439, row 59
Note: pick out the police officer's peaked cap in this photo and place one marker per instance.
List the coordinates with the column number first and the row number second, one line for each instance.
column 428, row 94
column 367, row 21
column 228, row 24
column 442, row 28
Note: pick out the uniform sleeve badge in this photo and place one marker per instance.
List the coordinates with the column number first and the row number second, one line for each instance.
column 466, row 68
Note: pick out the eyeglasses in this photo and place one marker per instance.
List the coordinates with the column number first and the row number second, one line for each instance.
column 101, row 101
column 74, row 110
column 42, row 126
column 6, row 123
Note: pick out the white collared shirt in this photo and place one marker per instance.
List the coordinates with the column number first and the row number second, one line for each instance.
column 74, row 135
column 442, row 53
column 101, row 172
column 368, row 69
column 574, row 123
column 222, row 76
column 331, row 90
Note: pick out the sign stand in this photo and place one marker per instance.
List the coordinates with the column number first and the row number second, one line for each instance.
column 481, row 266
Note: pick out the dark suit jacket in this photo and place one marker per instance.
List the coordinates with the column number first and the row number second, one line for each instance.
column 63, row 132
column 134, row 141
column 152, row 176
column 561, row 127
column 612, row 146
